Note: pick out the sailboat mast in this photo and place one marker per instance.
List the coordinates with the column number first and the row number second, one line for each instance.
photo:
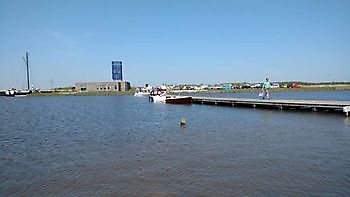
column 27, row 70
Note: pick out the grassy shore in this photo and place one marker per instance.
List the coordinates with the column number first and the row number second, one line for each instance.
column 131, row 92
column 95, row 93
column 302, row 89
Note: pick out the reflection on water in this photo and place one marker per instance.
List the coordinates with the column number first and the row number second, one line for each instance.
column 347, row 120
column 122, row 145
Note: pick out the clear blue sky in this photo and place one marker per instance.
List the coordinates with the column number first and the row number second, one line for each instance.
column 183, row 41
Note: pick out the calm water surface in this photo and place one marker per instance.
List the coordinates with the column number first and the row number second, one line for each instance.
column 122, row 145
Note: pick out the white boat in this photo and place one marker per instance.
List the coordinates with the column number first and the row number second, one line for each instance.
column 141, row 94
column 169, row 99
column 21, row 93
column 157, row 98
column 143, row 91
column 158, row 95
column 13, row 92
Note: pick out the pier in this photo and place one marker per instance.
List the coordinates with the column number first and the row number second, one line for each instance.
column 304, row 105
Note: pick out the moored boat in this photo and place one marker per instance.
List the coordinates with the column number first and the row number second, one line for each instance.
column 158, row 95
column 143, row 91
column 157, row 98
column 178, row 100
column 13, row 92
column 22, row 93
column 10, row 93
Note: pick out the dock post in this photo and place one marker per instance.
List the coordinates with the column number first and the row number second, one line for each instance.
column 314, row 109
column 280, row 107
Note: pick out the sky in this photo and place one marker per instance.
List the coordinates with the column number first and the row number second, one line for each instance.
column 174, row 42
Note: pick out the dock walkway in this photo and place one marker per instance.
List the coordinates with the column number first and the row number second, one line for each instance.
column 309, row 105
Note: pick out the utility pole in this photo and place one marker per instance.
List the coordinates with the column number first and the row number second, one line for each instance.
column 27, row 71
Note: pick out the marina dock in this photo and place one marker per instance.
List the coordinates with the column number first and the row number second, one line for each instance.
column 304, row 105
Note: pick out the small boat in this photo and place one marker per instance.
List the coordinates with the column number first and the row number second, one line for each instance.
column 157, row 98
column 143, row 91
column 22, row 93
column 141, row 94
column 10, row 93
column 178, row 100
column 158, row 95
column 162, row 98
column 13, row 92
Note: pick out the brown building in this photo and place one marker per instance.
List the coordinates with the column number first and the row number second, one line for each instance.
column 103, row 86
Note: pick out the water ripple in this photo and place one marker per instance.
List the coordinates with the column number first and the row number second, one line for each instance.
column 121, row 145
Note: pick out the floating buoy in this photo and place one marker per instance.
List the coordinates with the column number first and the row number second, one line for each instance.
column 182, row 122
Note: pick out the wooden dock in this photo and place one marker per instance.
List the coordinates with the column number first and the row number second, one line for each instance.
column 305, row 105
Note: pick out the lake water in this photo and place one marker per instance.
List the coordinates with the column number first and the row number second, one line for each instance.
column 123, row 145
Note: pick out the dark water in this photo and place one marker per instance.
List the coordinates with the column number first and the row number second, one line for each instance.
column 123, row 145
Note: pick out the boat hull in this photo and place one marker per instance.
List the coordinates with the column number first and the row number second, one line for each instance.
column 141, row 94
column 8, row 93
column 157, row 99
column 179, row 100
column 13, row 93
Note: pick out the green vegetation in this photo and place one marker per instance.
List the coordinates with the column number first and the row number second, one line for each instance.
column 95, row 93
column 64, row 89
column 321, row 83
column 306, row 86
column 285, row 83
column 302, row 89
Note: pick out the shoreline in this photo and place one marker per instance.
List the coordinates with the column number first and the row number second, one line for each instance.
column 131, row 92
column 302, row 89
column 101, row 93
